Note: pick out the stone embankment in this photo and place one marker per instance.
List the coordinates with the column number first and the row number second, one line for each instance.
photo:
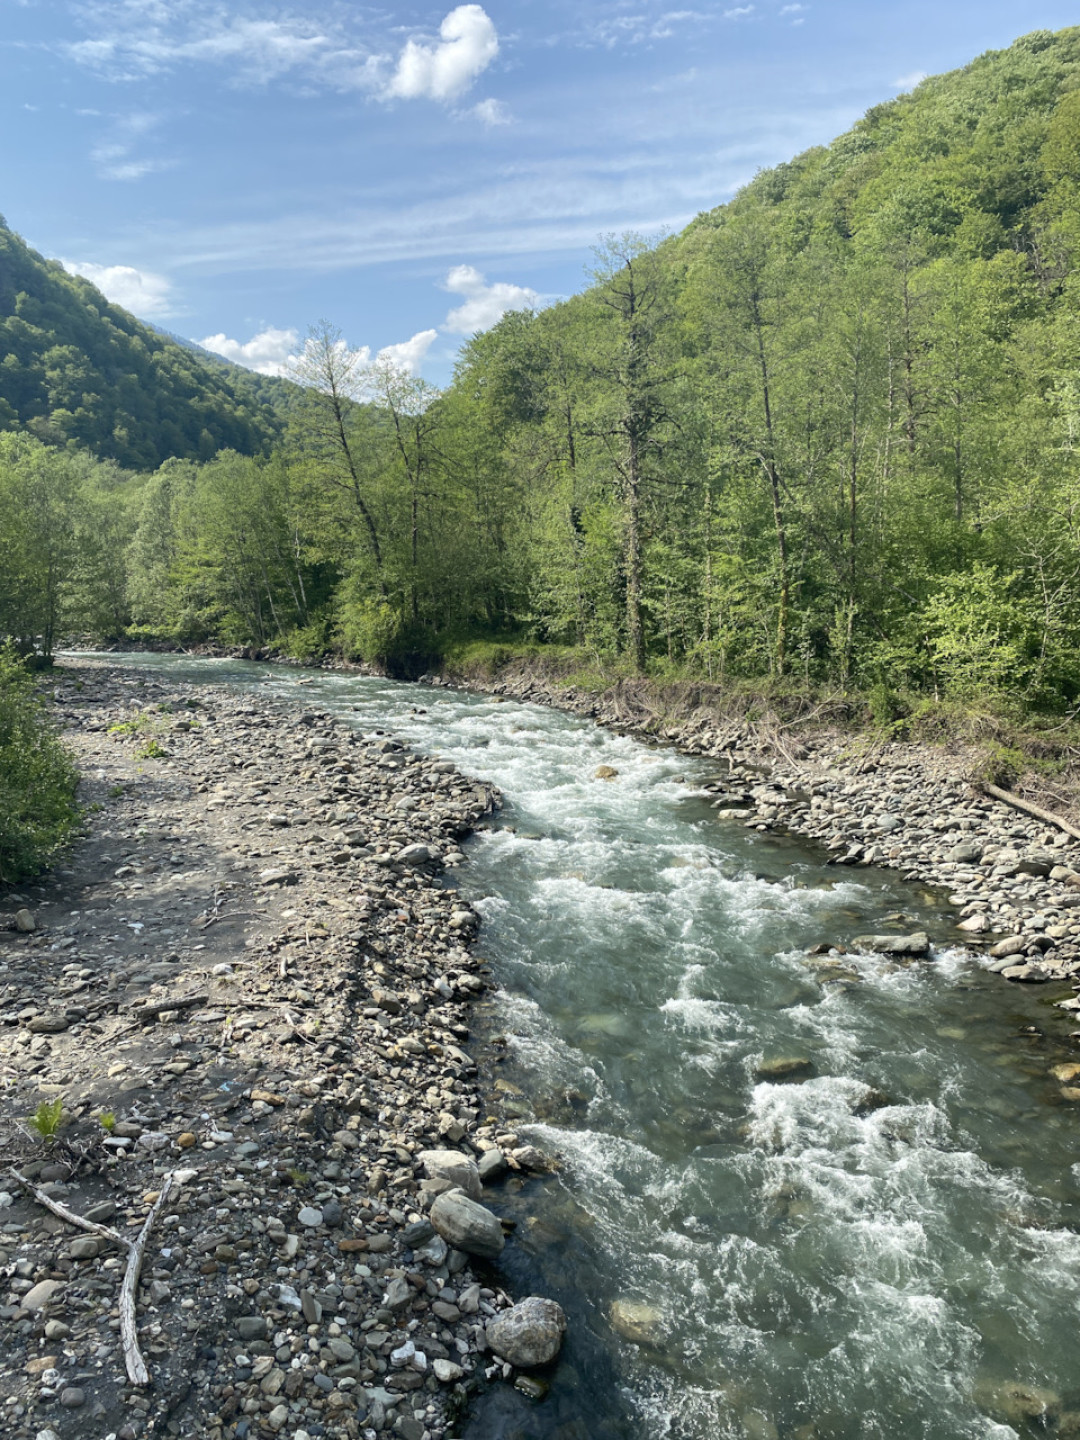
column 250, row 977
column 1014, row 881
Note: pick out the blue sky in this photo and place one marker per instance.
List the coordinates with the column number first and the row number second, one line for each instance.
column 238, row 171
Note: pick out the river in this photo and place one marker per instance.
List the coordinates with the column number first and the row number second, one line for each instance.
column 882, row 1247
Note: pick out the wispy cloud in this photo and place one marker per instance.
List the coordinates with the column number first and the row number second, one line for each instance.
column 140, row 291
column 908, row 82
column 739, row 12
column 132, row 40
column 120, row 154
column 492, row 112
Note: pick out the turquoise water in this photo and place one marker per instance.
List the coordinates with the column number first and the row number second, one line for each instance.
column 875, row 1249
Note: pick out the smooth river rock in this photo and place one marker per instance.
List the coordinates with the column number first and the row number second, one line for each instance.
column 466, row 1225
column 529, row 1333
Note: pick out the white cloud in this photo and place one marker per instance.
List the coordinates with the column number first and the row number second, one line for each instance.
column 793, row 9
column 908, row 82
column 345, row 50
column 140, row 291
column 409, row 355
column 492, row 112
column 484, row 304
column 468, row 43
column 270, row 352
column 738, row 12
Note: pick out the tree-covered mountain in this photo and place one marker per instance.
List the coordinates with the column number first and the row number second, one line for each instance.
column 831, row 431
column 75, row 368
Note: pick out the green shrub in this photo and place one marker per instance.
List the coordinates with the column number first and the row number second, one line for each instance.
column 37, row 778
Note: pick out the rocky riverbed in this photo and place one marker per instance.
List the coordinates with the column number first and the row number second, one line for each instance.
column 253, row 976
column 1014, row 880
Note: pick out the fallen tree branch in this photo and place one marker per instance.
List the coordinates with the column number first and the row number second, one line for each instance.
column 136, row 1365
column 136, row 1249
column 63, row 1213
column 1035, row 811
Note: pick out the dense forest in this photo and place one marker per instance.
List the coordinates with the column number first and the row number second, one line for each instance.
column 75, row 369
column 828, row 432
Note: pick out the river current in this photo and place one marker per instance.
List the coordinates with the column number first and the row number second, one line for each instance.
column 883, row 1246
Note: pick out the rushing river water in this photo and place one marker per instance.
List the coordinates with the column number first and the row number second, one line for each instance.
column 875, row 1250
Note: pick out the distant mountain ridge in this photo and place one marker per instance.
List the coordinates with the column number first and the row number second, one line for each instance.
column 75, row 368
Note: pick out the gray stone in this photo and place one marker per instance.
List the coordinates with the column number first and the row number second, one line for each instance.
column 41, row 1294
column 529, row 1333
column 452, row 1165
column 1014, row 945
column 71, row 1397
column 466, row 1225
column 252, row 1327
column 332, row 1213
column 399, row 1293
column 418, row 1234
column 310, row 1216
column 968, row 852
column 25, row 922
column 491, row 1166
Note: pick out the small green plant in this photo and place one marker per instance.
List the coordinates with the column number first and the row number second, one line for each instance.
column 115, row 791
column 299, row 1178
column 152, row 751
column 107, row 1120
column 47, row 1118
column 130, row 727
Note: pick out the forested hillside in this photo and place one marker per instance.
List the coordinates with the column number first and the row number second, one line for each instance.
column 74, row 368
column 829, row 432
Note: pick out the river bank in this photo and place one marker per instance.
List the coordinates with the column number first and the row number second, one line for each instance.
column 250, row 975
column 1014, row 880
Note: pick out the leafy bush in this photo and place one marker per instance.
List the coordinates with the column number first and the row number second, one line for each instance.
column 37, row 778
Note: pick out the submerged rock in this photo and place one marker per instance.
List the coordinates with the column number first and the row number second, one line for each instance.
column 785, row 1067
column 637, row 1322
column 529, row 1333
column 917, row 944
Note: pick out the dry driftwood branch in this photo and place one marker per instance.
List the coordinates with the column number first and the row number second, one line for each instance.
column 63, row 1213
column 136, row 1365
column 136, row 1249
column 1008, row 798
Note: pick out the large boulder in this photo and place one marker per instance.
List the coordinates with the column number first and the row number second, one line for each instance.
column 466, row 1225
column 452, row 1165
column 529, row 1333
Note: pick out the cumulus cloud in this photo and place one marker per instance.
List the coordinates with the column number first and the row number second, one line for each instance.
column 408, row 355
column 484, row 305
column 140, row 291
column 270, row 352
column 467, row 44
